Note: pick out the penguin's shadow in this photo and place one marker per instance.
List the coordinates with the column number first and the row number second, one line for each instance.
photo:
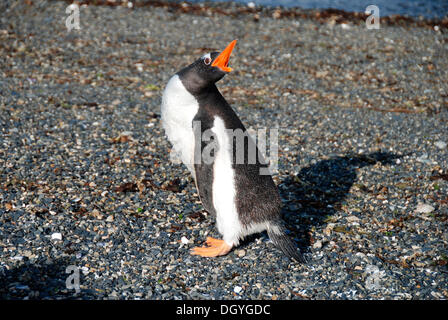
column 313, row 195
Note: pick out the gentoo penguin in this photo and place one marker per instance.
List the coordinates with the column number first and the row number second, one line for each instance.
column 243, row 200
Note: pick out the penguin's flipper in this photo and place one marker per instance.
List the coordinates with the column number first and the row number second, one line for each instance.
column 204, row 179
column 216, row 248
column 202, row 167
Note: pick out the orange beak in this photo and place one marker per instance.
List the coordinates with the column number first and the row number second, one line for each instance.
column 222, row 61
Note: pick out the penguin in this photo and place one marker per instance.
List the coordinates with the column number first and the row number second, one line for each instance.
column 243, row 200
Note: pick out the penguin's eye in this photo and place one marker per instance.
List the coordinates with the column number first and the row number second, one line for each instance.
column 207, row 60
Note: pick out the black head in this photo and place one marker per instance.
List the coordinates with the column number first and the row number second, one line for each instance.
column 207, row 70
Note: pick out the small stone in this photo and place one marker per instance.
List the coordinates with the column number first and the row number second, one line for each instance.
column 126, row 134
column 241, row 253
column 424, row 159
column 328, row 229
column 110, row 218
column 352, row 219
column 56, row 236
column 139, row 67
column 424, row 208
column 22, row 287
column 184, row 240
column 360, row 255
column 97, row 214
column 28, row 254
column 321, row 74
column 440, row 144
column 317, row 244
column 85, row 270
column 277, row 14
column 237, row 289
column 170, row 267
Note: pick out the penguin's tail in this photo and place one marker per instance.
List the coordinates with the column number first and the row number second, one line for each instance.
column 277, row 233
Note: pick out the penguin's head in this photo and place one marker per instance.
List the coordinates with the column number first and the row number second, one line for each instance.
column 207, row 70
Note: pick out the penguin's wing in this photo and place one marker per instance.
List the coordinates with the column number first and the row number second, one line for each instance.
column 206, row 146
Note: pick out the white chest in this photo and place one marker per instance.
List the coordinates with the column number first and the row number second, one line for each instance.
column 178, row 110
column 224, row 186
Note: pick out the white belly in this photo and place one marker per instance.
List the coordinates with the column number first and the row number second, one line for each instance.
column 178, row 110
column 224, row 190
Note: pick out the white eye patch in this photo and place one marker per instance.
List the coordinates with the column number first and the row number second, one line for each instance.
column 207, row 58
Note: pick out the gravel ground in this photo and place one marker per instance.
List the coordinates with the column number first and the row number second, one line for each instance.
column 85, row 176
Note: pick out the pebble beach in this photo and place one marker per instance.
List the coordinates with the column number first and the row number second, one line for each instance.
column 86, row 178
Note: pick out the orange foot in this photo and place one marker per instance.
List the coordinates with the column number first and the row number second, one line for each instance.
column 216, row 248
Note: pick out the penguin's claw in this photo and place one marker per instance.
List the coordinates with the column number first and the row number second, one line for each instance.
column 217, row 248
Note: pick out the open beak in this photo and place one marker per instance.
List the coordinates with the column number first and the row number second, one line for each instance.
column 222, row 61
